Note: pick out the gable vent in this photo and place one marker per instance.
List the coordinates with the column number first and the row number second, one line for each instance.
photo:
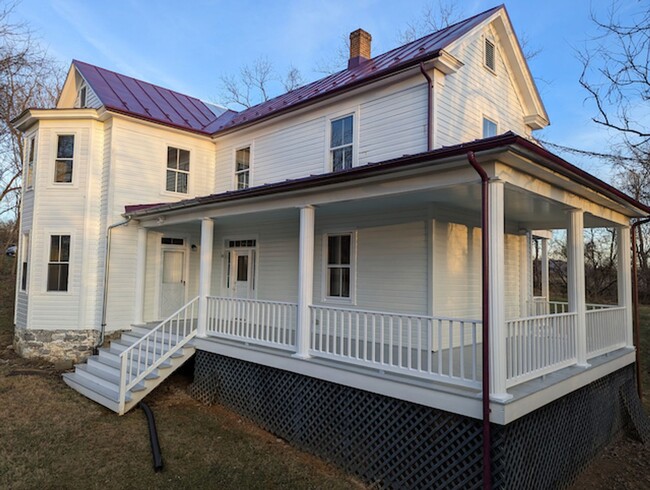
column 489, row 55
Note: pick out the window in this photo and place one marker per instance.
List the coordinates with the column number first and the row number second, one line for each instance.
column 489, row 55
column 58, row 266
column 82, row 96
column 178, row 169
column 339, row 266
column 24, row 257
column 242, row 168
column 489, row 128
column 341, row 143
column 31, row 155
column 64, row 159
column 172, row 241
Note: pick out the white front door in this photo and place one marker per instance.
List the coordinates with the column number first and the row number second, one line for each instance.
column 242, row 273
column 172, row 291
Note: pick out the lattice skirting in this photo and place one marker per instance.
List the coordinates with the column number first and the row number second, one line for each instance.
column 396, row 444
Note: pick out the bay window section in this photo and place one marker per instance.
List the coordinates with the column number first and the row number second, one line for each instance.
column 59, row 263
column 64, row 159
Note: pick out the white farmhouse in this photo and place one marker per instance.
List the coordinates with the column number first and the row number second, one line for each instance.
column 323, row 255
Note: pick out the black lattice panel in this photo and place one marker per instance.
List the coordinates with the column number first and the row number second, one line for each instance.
column 396, row 444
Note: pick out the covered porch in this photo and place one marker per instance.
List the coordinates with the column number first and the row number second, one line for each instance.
column 378, row 284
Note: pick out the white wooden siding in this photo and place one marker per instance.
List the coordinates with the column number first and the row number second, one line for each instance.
column 472, row 92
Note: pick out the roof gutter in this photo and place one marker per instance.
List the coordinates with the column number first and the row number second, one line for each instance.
column 485, row 287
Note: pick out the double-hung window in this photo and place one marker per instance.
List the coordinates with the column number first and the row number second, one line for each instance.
column 489, row 128
column 339, row 273
column 242, row 168
column 59, row 265
column 31, row 156
column 342, row 143
column 64, row 159
column 24, row 257
column 83, row 92
column 178, row 170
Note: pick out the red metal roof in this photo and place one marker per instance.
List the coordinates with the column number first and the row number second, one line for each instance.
column 506, row 140
column 141, row 99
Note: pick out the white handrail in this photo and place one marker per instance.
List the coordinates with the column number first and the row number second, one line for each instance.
column 146, row 354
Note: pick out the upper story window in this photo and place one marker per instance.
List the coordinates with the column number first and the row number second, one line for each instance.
column 489, row 128
column 83, row 91
column 31, row 156
column 59, row 264
column 339, row 274
column 489, row 55
column 178, row 170
column 341, row 143
column 64, row 159
column 242, row 167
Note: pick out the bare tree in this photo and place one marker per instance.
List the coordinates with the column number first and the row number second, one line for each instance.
column 616, row 74
column 28, row 78
column 257, row 83
column 433, row 17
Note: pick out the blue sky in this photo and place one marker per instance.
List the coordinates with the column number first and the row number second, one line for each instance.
column 187, row 45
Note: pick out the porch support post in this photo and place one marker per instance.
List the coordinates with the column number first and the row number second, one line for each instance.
column 624, row 279
column 205, row 274
column 576, row 281
column 140, row 271
column 545, row 269
column 497, row 323
column 305, row 280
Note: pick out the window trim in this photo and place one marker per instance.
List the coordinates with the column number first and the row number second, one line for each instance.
column 325, row 298
column 30, row 165
column 487, row 40
column 330, row 118
column 24, row 263
column 165, row 191
column 73, row 180
column 250, row 166
column 83, row 96
column 226, row 254
column 496, row 126
column 48, row 249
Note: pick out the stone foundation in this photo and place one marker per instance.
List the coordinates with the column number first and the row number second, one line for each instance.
column 55, row 345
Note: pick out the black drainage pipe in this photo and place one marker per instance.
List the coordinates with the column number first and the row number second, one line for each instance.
column 153, row 438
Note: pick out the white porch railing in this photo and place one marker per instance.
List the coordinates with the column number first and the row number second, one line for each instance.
column 541, row 306
column 445, row 349
column 145, row 355
column 538, row 345
column 271, row 323
column 605, row 330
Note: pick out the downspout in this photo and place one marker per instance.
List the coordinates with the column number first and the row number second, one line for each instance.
column 485, row 287
column 429, row 106
column 107, row 256
column 635, row 305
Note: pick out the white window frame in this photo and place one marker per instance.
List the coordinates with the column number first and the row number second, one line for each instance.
column 177, row 170
column 74, row 159
column 328, row 167
column 24, row 263
column 234, row 166
column 30, row 164
column 48, row 250
column 496, row 126
column 487, row 40
column 325, row 297
column 225, row 268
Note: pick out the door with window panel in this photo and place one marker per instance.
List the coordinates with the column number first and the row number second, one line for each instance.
column 173, row 282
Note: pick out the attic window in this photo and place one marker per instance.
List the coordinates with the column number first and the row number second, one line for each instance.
column 82, row 96
column 489, row 55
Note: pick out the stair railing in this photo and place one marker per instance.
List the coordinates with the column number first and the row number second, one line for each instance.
column 146, row 354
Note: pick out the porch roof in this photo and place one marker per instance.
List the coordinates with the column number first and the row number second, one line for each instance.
column 505, row 142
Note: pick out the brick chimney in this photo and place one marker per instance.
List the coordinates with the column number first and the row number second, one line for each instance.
column 360, row 41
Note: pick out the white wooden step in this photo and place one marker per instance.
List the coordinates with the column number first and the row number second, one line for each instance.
column 98, row 393
column 102, row 377
column 113, row 368
column 132, row 338
column 119, row 346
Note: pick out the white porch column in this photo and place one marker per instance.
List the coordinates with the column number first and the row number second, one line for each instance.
column 545, row 268
column 305, row 280
column 205, row 274
column 576, row 280
column 140, row 271
column 624, row 279
column 496, row 267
